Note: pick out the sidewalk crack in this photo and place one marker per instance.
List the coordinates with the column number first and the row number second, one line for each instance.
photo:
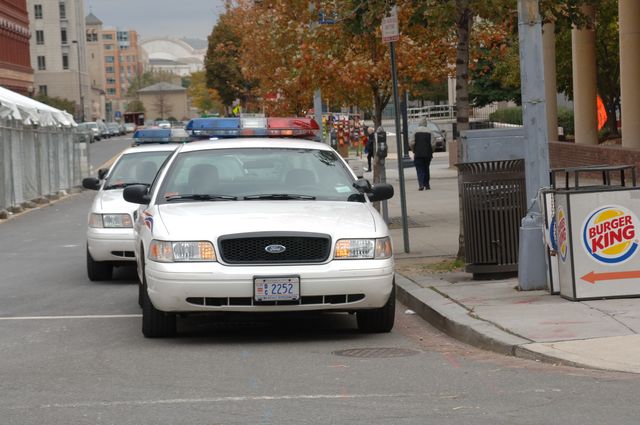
column 613, row 316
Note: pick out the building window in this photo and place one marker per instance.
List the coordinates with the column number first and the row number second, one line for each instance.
column 63, row 35
column 42, row 64
column 111, row 81
column 111, row 92
column 65, row 61
column 109, row 70
column 39, row 37
column 37, row 11
column 42, row 90
column 63, row 10
column 107, row 36
column 92, row 36
column 109, row 59
column 108, row 46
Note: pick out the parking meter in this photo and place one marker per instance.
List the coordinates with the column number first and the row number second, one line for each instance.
column 381, row 143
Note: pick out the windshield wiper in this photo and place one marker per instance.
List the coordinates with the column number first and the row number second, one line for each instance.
column 202, row 197
column 121, row 185
column 279, row 196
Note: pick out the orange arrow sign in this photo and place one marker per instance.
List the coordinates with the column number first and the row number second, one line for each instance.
column 593, row 277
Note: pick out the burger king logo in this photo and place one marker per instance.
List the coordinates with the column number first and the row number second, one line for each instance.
column 562, row 243
column 610, row 234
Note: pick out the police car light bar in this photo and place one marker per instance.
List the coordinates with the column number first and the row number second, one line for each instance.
column 205, row 128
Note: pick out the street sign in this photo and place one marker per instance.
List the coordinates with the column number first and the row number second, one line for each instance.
column 390, row 28
column 117, row 114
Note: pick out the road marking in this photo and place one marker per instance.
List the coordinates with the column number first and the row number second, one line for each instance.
column 93, row 404
column 96, row 316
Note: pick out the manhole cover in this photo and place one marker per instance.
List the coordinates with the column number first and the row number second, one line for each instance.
column 379, row 353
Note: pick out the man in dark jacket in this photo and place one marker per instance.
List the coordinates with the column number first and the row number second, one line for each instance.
column 422, row 155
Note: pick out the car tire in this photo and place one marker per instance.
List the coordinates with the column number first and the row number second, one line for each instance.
column 378, row 320
column 156, row 323
column 98, row 270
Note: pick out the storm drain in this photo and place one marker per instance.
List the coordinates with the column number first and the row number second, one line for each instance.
column 377, row 353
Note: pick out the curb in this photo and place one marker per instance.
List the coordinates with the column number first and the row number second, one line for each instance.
column 71, row 193
column 454, row 320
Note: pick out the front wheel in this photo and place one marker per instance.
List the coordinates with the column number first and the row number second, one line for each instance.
column 381, row 319
column 156, row 323
column 98, row 270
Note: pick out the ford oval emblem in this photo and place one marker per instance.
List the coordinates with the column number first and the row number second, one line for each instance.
column 275, row 249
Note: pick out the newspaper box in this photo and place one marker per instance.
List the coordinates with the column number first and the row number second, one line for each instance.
column 598, row 232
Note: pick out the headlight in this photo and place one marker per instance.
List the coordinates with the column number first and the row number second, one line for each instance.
column 363, row 249
column 110, row 220
column 170, row 252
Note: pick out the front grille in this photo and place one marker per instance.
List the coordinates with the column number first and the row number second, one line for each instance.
column 250, row 249
column 248, row 301
column 125, row 254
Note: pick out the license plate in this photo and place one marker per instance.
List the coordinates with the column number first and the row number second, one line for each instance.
column 276, row 288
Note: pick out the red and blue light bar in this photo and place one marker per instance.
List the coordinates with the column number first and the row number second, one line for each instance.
column 224, row 128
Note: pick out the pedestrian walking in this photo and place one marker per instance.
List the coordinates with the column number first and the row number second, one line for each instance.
column 368, row 148
column 422, row 155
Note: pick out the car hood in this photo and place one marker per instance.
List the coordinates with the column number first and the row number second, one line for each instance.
column 111, row 201
column 209, row 220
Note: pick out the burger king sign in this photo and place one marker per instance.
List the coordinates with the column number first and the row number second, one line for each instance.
column 610, row 235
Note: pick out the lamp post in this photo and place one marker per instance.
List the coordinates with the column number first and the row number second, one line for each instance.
column 79, row 82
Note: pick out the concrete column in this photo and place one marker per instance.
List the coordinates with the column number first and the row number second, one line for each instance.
column 550, row 84
column 583, row 43
column 629, row 11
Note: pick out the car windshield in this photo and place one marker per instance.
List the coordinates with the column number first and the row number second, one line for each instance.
column 430, row 125
column 135, row 168
column 257, row 174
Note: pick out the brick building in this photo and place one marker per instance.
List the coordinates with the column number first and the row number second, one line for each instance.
column 15, row 63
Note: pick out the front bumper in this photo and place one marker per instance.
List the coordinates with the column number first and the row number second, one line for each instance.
column 111, row 244
column 171, row 284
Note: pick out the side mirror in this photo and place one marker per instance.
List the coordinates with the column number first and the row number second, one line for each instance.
column 102, row 173
column 380, row 192
column 137, row 194
column 91, row 183
column 362, row 185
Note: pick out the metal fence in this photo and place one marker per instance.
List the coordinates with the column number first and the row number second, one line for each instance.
column 38, row 162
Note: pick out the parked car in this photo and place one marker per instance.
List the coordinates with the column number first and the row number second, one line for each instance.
column 104, row 131
column 110, row 229
column 129, row 127
column 84, row 129
column 438, row 135
column 114, row 129
column 261, row 225
column 95, row 130
column 163, row 124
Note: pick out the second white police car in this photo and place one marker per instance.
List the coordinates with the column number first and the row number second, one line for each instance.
column 261, row 225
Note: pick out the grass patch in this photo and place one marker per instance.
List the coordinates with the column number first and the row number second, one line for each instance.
column 445, row 266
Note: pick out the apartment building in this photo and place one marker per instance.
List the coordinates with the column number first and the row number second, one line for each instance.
column 58, row 51
column 15, row 64
column 114, row 61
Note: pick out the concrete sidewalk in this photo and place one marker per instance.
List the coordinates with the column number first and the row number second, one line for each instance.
column 494, row 315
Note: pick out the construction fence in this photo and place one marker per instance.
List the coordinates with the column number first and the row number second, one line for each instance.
column 37, row 163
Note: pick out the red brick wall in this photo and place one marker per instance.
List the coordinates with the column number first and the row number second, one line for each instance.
column 564, row 154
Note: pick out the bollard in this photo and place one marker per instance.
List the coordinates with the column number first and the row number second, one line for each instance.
column 532, row 251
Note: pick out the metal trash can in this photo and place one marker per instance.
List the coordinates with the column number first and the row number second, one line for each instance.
column 494, row 202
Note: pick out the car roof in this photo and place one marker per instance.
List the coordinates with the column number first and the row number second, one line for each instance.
column 150, row 148
column 254, row 142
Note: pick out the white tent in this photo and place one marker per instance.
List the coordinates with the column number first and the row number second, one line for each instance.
column 30, row 112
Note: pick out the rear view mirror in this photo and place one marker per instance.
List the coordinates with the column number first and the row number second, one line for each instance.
column 91, row 183
column 102, row 173
column 137, row 194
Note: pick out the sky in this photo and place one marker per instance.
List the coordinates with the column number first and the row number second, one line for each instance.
column 153, row 18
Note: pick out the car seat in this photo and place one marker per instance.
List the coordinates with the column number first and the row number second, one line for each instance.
column 203, row 179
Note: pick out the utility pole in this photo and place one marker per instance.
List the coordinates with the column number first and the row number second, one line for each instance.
column 81, row 115
column 531, row 264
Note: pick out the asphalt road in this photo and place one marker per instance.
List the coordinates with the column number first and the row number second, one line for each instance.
column 71, row 352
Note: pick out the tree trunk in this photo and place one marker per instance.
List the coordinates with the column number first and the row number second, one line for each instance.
column 463, row 30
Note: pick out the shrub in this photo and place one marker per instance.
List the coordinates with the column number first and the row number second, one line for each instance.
column 565, row 120
column 507, row 116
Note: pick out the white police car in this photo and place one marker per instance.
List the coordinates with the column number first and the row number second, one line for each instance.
column 110, row 223
column 261, row 225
